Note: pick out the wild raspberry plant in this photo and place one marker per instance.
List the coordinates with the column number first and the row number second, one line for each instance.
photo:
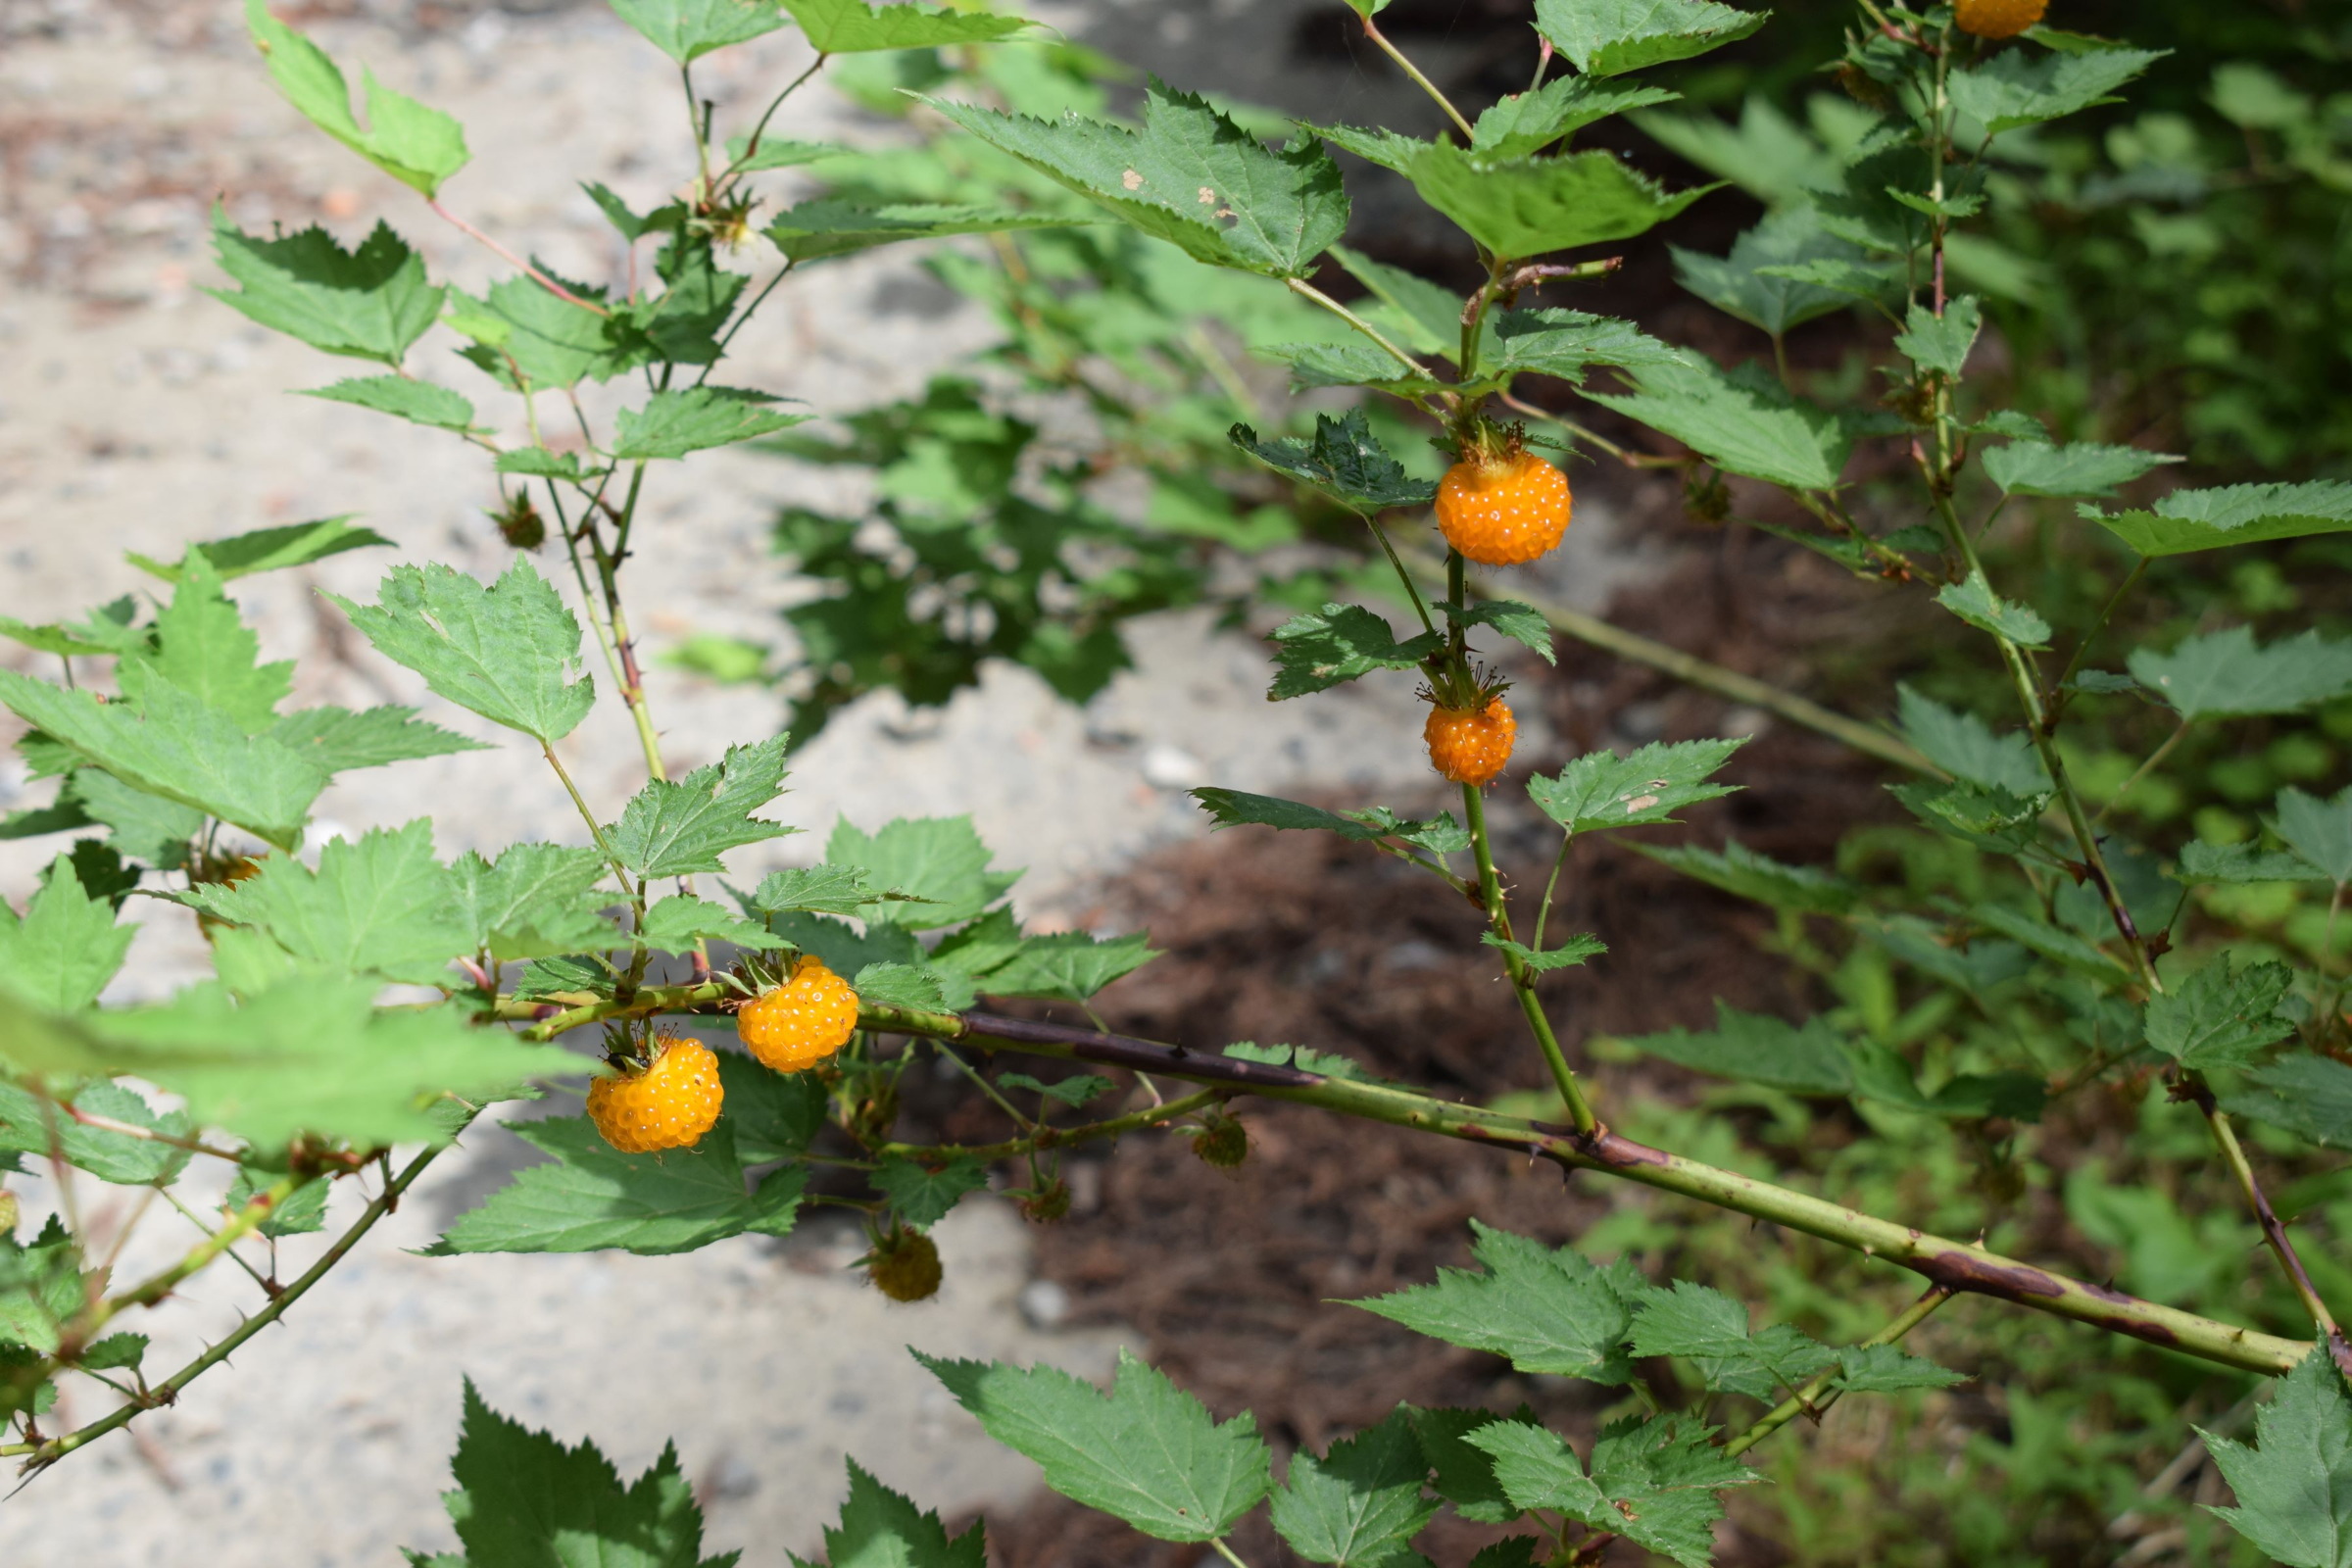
column 2050, row 971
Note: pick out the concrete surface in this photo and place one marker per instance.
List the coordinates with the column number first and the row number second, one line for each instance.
column 136, row 413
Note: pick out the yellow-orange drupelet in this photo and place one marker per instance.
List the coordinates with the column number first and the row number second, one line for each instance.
column 669, row 1104
column 794, row 1026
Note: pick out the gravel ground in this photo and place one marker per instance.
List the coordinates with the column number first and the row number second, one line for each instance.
column 137, row 415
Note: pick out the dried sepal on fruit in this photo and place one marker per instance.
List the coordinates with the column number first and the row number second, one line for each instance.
column 1500, row 504
column 798, row 1023
column 904, row 1264
column 666, row 1097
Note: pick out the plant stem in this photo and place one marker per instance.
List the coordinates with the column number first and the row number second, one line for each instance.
column 2274, row 1232
column 1523, row 983
column 1058, row 1137
column 2155, row 756
column 1381, row 41
column 1226, row 1552
column 733, row 171
column 2074, row 665
column 528, row 270
column 1309, row 291
column 43, row 1454
column 1816, row 1396
column 595, row 828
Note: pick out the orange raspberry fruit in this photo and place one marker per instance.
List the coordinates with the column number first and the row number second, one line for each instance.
column 1470, row 745
column 670, row 1105
column 794, row 1026
column 1998, row 18
column 1504, row 511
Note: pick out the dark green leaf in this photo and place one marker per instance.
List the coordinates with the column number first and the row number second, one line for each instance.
column 775, row 1115
column 521, row 330
column 1738, row 285
column 1070, row 966
column 381, row 906
column 1607, row 37
column 1303, row 1057
column 1361, row 1503
column 296, row 544
column 688, row 30
column 417, row 146
column 901, row 985
column 2019, row 88
column 879, row 1529
column 1523, row 206
column 677, row 827
column 370, row 303
column 1147, row 1452
column 696, row 418
column 1808, row 1058
column 2318, row 830
column 1343, row 460
column 2241, row 862
column 337, row 740
column 1973, row 600
column 1191, row 177
column 2233, row 515
column 1425, row 317
column 1743, row 421
column 776, row 152
column 506, row 651
column 677, row 923
column 1603, row 790
column 2221, row 1017
column 922, row 1194
column 590, row 1196
column 1336, row 644
column 2223, row 675
column 937, row 863
column 1071, row 1092
column 1741, row 871
column 303, row 1214
column 1546, row 1310
column 1527, row 122
column 1235, row 809
column 1464, row 1475
column 67, row 947
column 1965, row 747
column 1564, row 344
column 2294, row 1491
column 2081, row 469
column 28, row 1126
column 829, row 226
column 539, row 901
column 1712, row 1329
column 2309, row 1096
column 1884, row 1369
column 115, row 1351
column 1523, row 625
column 1652, row 1482
column 1940, row 343
column 822, row 889
column 1575, row 951
column 852, row 27
column 417, row 402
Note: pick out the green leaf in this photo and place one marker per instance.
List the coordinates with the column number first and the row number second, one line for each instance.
column 2051, row 942
column 829, row 225
column 1564, row 344
column 2018, row 87
column 1191, row 177
column 2220, row 1016
column 417, row 402
column 1343, row 460
column 1314, row 365
column 67, row 947
column 180, row 750
column 676, row 923
column 417, row 146
column 1545, row 1309
column 590, row 1196
column 122, row 1351
column 523, row 1498
column 1071, row 1092
column 1147, row 1452
column 1439, row 835
column 1965, row 747
column 845, row 950
column 337, row 740
column 2080, row 468
column 2318, row 830
column 879, row 1529
column 1464, row 1475
column 41, row 1289
column 2294, row 1491
column 773, row 152
column 1511, row 1551
column 851, row 27
column 28, row 1124
column 1303, row 1057
column 539, row 901
column 145, row 827
column 1739, row 284
column 1973, row 600
column 1808, row 1058
column 204, row 649
column 1425, row 317
column 1652, row 1482
column 2309, row 1096
column 506, row 651
column 1336, row 644
column 822, row 889
column 1767, row 154
column 296, row 544
column 1523, row 625
column 1741, row 871
column 1884, row 1369
column 1712, row 1329
column 922, row 1194
column 2232, row 514
column 520, row 329
column 1609, row 37
column 775, row 1115
column 1602, row 790
column 901, row 985
column 382, row 905
column 1526, row 122
column 370, row 303
column 1070, row 966
column 105, row 630
column 316, row 1057
column 1361, row 1503
column 676, row 828
column 537, row 463
column 674, row 423
column 2241, row 863
column 688, row 30
column 1742, row 421
column 1990, row 818
column 303, row 1214
column 1575, row 951
column 1235, row 809
column 1940, row 343
column 937, row 863
column 1523, row 206
column 2225, row 675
